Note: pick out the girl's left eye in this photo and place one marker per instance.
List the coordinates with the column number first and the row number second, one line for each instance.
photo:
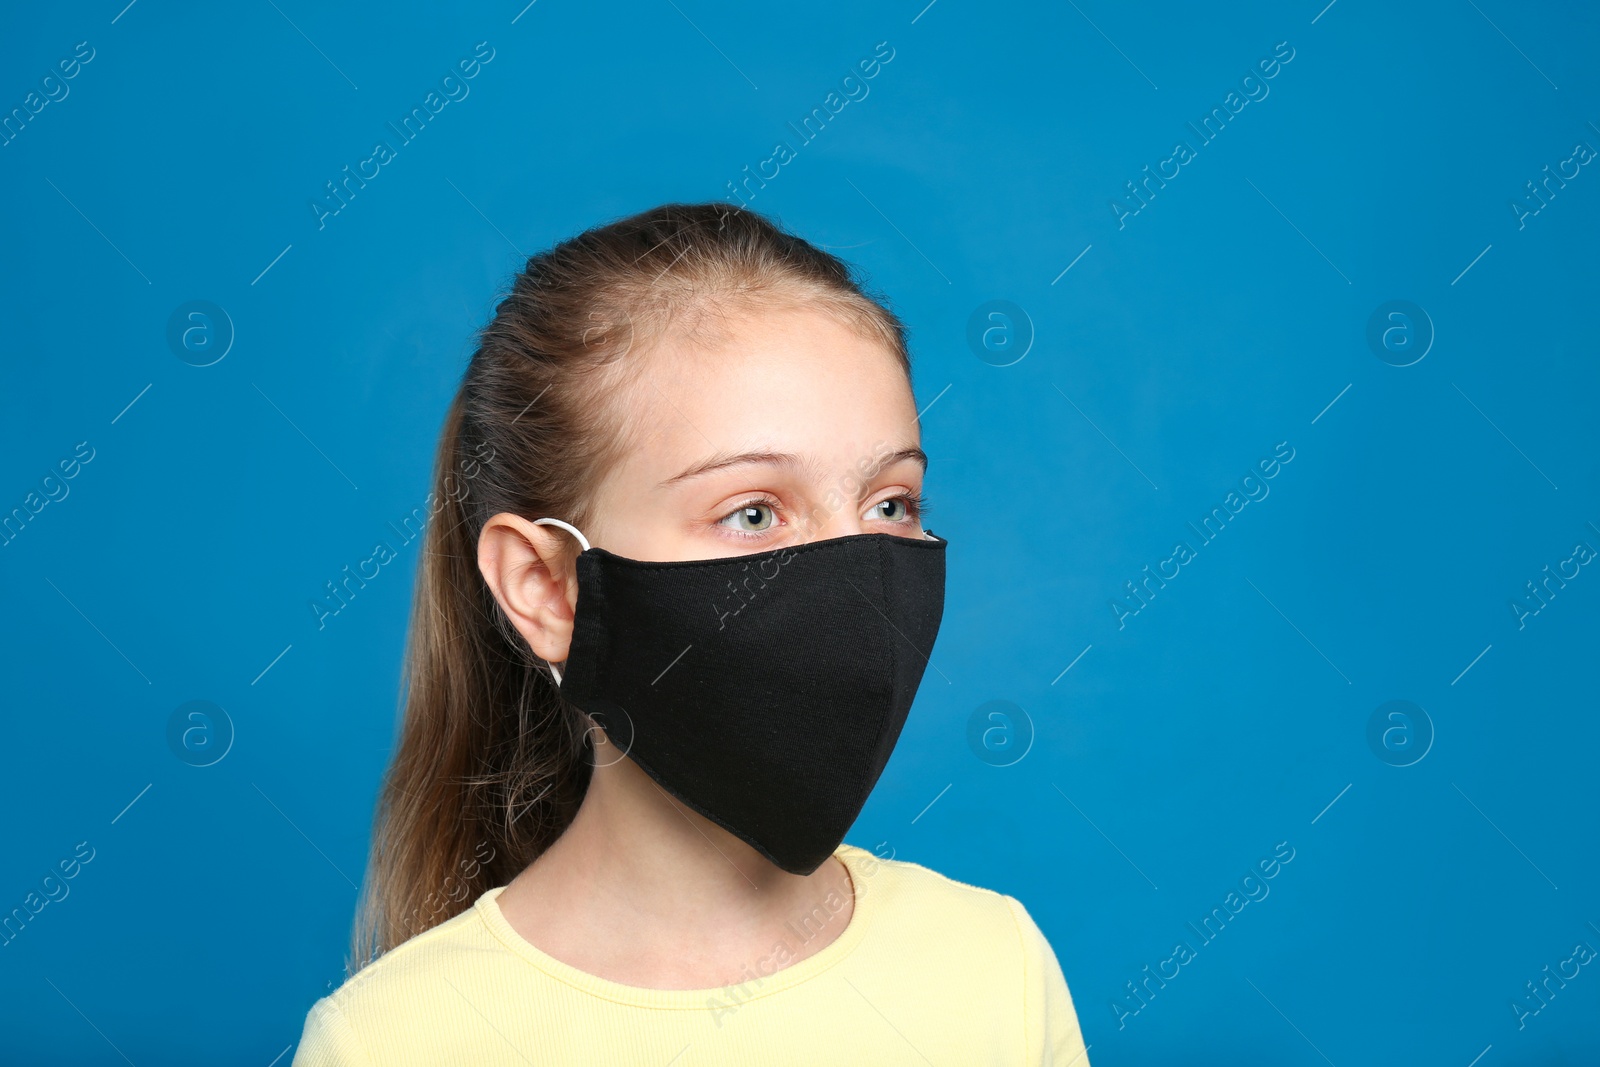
column 897, row 509
column 904, row 507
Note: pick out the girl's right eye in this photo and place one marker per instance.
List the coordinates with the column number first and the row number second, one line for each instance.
column 755, row 517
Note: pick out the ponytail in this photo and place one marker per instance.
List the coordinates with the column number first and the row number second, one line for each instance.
column 489, row 767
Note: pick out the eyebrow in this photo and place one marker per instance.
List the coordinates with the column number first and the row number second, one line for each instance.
column 723, row 460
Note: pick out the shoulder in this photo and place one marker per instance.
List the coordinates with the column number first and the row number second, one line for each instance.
column 964, row 951
column 916, row 901
column 911, row 882
column 391, row 987
column 1001, row 966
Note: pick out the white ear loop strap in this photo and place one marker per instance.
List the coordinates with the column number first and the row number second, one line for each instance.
column 582, row 540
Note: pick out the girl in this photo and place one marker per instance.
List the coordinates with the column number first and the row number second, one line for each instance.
column 672, row 611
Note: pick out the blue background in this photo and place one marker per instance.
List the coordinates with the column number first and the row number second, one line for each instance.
column 1229, row 314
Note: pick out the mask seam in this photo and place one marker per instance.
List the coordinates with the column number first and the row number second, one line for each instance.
column 865, row 788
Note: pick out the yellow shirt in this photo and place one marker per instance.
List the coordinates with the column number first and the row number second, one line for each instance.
column 927, row 971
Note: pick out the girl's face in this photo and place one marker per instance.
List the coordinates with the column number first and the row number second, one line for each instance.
column 789, row 427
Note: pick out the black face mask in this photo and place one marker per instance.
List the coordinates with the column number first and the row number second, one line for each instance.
column 764, row 691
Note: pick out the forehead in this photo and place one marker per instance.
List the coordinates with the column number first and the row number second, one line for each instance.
column 790, row 379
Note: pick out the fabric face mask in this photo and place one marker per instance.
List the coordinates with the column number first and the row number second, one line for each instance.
column 764, row 691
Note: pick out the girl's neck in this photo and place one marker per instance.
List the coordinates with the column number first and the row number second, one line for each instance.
column 643, row 891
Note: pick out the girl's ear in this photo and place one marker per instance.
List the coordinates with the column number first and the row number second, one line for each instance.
column 534, row 585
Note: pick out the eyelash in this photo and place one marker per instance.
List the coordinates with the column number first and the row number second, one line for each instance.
column 916, row 506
